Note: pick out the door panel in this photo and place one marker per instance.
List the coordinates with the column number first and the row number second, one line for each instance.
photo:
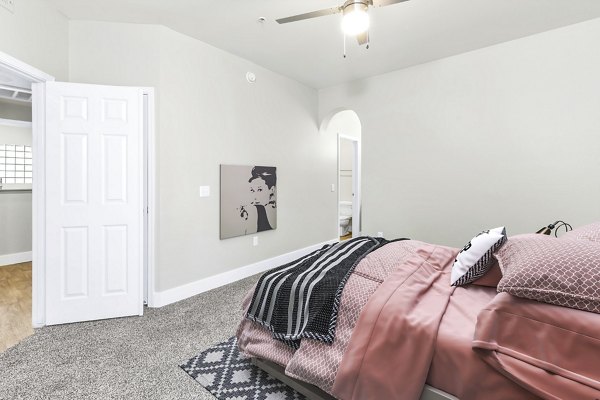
column 114, row 158
column 115, row 259
column 94, row 202
column 74, row 263
column 74, row 167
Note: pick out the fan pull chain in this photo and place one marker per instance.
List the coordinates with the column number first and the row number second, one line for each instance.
column 368, row 39
column 344, row 45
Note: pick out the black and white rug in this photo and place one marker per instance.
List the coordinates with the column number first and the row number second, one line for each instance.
column 228, row 375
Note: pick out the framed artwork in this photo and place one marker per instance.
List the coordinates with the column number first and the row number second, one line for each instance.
column 248, row 200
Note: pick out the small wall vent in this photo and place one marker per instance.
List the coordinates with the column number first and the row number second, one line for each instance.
column 13, row 93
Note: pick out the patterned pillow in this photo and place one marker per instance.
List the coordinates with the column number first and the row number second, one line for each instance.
column 550, row 270
column 475, row 259
column 589, row 232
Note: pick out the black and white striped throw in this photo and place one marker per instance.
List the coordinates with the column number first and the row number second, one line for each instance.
column 300, row 299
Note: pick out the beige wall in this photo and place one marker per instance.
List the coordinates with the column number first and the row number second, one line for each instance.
column 506, row 135
column 208, row 114
column 114, row 54
column 38, row 35
column 15, row 207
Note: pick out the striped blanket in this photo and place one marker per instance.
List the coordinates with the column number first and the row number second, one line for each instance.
column 300, row 299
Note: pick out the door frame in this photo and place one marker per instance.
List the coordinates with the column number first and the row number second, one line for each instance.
column 356, row 183
column 150, row 193
column 38, row 290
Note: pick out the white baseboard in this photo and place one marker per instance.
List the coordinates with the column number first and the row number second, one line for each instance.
column 160, row 299
column 15, row 258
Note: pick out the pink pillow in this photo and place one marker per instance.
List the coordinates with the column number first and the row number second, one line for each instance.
column 491, row 278
column 589, row 232
column 551, row 270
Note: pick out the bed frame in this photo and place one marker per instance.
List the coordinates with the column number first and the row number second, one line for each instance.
column 314, row 393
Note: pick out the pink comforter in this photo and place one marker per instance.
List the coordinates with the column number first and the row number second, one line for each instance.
column 471, row 377
column 398, row 324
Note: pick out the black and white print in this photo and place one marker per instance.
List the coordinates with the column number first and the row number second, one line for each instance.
column 248, row 200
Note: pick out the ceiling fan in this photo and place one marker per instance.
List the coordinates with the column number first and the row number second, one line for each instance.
column 355, row 19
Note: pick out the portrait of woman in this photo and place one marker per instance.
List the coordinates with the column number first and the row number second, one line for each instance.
column 248, row 200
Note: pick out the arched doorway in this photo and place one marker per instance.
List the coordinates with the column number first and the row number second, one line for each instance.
column 346, row 127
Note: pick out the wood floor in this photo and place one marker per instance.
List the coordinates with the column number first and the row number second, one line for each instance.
column 15, row 304
column 346, row 237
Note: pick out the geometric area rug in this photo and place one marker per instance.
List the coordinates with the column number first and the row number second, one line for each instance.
column 229, row 375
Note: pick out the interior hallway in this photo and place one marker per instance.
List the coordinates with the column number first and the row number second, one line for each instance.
column 15, row 304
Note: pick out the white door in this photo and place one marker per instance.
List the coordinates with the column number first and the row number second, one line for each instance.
column 94, row 203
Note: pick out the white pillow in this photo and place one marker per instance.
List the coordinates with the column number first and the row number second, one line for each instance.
column 475, row 259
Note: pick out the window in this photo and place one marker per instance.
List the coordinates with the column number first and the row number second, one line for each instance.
column 15, row 164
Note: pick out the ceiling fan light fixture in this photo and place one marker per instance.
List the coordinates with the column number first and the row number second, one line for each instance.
column 355, row 19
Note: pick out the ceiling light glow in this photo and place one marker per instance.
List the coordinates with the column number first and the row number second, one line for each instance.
column 356, row 19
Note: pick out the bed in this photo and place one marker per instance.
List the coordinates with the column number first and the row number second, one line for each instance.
column 403, row 332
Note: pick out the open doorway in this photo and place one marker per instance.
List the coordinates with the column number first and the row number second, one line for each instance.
column 349, row 187
column 343, row 128
column 16, row 198
column 131, row 185
column 16, row 216
column 15, row 222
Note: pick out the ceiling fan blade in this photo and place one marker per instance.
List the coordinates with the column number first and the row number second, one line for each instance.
column 383, row 3
column 362, row 38
column 314, row 14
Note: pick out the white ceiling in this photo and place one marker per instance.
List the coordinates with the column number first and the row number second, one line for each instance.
column 310, row 51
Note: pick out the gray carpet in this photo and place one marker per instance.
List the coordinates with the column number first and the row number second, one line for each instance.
column 125, row 358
